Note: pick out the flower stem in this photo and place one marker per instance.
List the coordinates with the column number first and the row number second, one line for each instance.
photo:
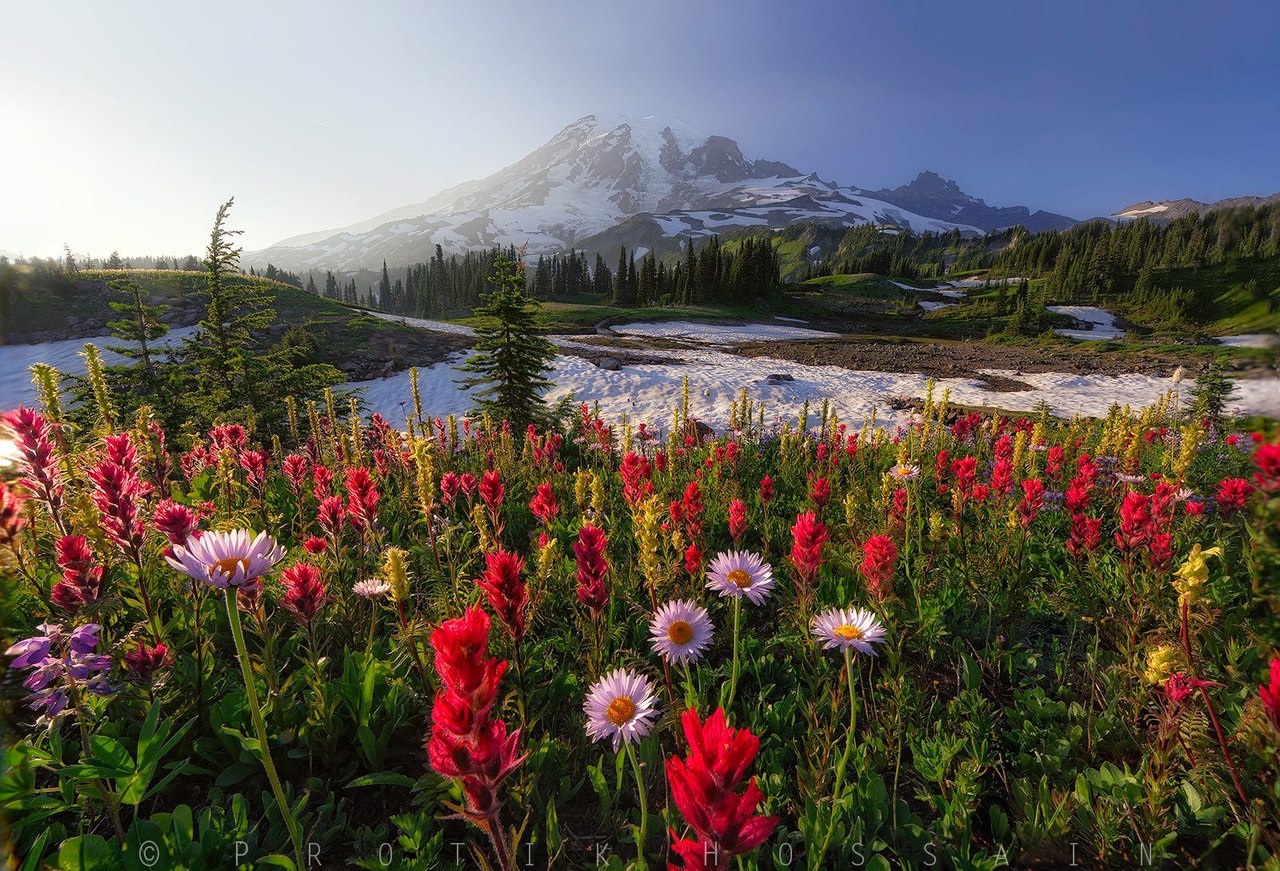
column 251, row 692
column 644, row 803
column 733, row 679
column 844, row 760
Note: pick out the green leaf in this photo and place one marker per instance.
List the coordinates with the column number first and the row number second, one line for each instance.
column 383, row 778
column 87, row 853
column 107, row 754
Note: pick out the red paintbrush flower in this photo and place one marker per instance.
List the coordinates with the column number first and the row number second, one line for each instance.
column 589, row 551
column 331, row 515
column 314, row 545
column 11, row 519
column 296, row 468
column 175, row 521
column 254, row 464
column 737, row 520
column 691, row 510
column 142, row 663
column 1232, row 494
column 819, row 491
column 635, row 473
column 1032, row 502
column 1178, row 688
column 1267, row 459
column 81, row 581
column 322, row 481
column 492, row 492
column 1086, row 535
column 1270, row 693
column 465, row 743
column 807, row 537
column 117, row 494
column 544, row 505
column 693, row 560
column 362, row 498
column 304, row 591
column 507, row 592
column 766, row 490
column 32, row 436
column 1002, row 476
column 879, row 558
column 1135, row 520
column 703, row 787
column 450, row 484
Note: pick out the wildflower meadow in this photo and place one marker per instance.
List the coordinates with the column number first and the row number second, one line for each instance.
column 973, row 642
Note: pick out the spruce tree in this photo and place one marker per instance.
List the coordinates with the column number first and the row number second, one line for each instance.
column 139, row 325
column 511, row 359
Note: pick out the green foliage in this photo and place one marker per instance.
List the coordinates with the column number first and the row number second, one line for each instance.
column 511, row 359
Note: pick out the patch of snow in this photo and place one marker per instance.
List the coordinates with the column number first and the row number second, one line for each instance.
column 1151, row 210
column 15, row 361
column 934, row 306
column 422, row 324
column 646, row 392
column 719, row 334
column 954, row 294
column 1250, row 340
column 791, row 320
column 1101, row 323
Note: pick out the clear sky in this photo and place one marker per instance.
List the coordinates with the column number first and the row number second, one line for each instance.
column 126, row 123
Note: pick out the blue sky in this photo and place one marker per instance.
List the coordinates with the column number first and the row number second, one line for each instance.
column 128, row 123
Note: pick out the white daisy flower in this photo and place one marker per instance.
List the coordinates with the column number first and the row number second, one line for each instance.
column 620, row 706
column 1132, row 479
column 680, row 631
column 842, row 628
column 227, row 559
column 741, row 573
column 904, row 472
column 371, row 588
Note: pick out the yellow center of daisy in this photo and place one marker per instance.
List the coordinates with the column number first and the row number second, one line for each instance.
column 621, row 710
column 741, row 578
column 847, row 632
column 228, row 566
column 680, row 632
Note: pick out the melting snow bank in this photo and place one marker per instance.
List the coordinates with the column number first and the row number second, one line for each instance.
column 719, row 334
column 1250, row 340
column 434, row 326
column 1101, row 323
column 647, row 392
column 15, row 361
column 934, row 306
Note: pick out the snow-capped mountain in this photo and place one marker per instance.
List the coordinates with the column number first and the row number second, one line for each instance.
column 1169, row 210
column 599, row 174
column 932, row 195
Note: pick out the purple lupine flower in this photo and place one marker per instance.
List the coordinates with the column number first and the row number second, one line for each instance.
column 57, row 657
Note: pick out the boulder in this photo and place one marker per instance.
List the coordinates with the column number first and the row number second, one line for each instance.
column 610, row 363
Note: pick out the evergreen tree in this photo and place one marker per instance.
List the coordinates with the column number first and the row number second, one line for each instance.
column 1212, row 392
column 511, row 359
column 140, row 325
column 622, row 294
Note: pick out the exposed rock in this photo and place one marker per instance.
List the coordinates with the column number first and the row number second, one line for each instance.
column 610, row 363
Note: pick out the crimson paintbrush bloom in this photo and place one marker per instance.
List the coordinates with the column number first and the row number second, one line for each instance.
column 807, row 536
column 819, row 491
column 766, row 490
column 142, row 663
column 544, row 505
column 362, row 498
column 304, row 591
column 1270, row 693
column 465, row 743
column 1232, row 494
column 589, row 551
column 507, row 592
column 32, row 436
column 737, row 520
column 1002, row 476
column 296, row 468
column 635, row 472
column 703, row 788
column 880, row 556
column 1135, row 521
column 175, row 521
column 1032, row 502
column 492, row 491
column 1267, row 459
column 11, row 519
column 1086, row 535
column 331, row 515
column 81, row 581
column 118, row 493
